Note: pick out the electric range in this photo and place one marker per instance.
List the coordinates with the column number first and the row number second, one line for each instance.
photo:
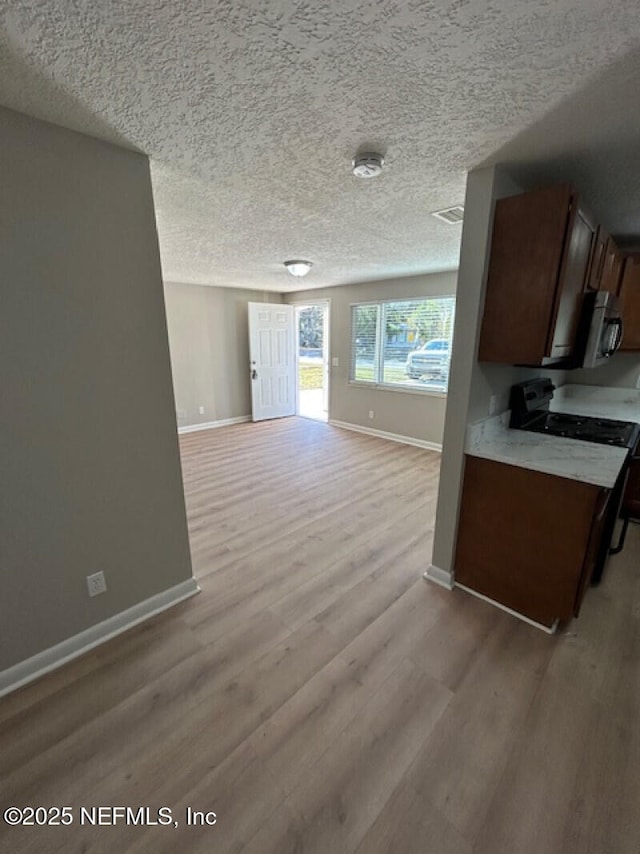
column 530, row 411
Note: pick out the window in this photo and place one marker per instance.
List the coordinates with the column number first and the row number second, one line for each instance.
column 402, row 343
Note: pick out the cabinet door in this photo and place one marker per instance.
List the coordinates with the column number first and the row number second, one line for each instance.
column 630, row 303
column 523, row 537
column 568, row 304
column 631, row 500
column 612, row 264
column 597, row 259
column 526, row 254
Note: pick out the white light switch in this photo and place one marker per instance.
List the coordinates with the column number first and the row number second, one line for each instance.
column 335, row 362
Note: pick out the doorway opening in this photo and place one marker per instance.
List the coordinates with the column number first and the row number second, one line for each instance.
column 312, row 334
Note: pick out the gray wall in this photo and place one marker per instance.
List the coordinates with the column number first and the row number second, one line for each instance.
column 90, row 468
column 419, row 416
column 472, row 384
column 622, row 370
column 209, row 341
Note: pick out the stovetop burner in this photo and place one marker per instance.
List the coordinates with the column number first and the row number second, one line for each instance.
column 602, row 430
column 530, row 411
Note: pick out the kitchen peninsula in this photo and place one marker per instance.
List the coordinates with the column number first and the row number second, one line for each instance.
column 537, row 509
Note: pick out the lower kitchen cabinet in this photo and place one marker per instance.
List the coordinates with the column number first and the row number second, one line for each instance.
column 630, row 506
column 631, row 499
column 528, row 540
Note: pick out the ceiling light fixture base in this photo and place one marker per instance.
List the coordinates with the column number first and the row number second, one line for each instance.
column 298, row 268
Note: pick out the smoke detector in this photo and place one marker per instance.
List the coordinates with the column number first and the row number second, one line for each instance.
column 367, row 165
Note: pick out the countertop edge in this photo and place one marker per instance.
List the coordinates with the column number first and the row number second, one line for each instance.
column 573, row 459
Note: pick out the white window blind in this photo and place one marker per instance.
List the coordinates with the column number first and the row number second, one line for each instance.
column 403, row 343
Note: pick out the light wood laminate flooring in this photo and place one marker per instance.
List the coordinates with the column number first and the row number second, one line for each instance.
column 319, row 696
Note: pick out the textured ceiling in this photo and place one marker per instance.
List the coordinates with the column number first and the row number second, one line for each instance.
column 251, row 114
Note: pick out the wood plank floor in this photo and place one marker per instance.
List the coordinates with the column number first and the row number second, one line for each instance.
column 319, row 696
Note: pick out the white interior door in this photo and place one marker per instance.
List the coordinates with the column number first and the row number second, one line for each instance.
column 272, row 360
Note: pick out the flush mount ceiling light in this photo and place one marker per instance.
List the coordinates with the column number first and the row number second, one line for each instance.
column 298, row 268
column 367, row 165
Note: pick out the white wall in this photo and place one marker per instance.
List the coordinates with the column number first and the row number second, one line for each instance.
column 90, row 468
column 417, row 416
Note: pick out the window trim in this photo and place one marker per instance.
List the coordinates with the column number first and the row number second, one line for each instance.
column 382, row 386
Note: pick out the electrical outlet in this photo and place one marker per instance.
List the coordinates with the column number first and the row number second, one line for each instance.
column 335, row 362
column 201, row 410
column 492, row 404
column 96, row 583
column 371, row 413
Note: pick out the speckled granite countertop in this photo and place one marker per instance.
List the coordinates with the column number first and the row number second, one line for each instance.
column 590, row 462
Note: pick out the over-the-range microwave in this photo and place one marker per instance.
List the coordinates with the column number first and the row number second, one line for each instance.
column 601, row 330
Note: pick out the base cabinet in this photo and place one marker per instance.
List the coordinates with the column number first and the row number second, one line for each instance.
column 528, row 540
column 631, row 500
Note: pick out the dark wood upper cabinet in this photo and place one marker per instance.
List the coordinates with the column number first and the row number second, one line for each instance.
column 538, row 266
column 612, row 266
column 605, row 271
column 600, row 242
column 630, row 303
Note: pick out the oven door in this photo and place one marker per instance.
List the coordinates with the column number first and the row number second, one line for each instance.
column 605, row 330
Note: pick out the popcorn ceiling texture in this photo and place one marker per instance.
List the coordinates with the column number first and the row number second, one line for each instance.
column 251, row 114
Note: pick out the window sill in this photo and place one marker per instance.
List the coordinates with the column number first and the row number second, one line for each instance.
column 424, row 392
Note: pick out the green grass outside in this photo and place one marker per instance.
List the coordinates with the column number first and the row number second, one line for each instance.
column 310, row 376
column 364, row 373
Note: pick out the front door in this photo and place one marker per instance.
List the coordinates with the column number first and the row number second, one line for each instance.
column 272, row 360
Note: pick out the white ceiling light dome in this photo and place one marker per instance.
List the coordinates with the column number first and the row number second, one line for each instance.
column 367, row 165
column 298, row 268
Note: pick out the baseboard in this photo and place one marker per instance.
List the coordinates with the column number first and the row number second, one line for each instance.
column 383, row 434
column 210, row 425
column 550, row 630
column 439, row 576
column 54, row 657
